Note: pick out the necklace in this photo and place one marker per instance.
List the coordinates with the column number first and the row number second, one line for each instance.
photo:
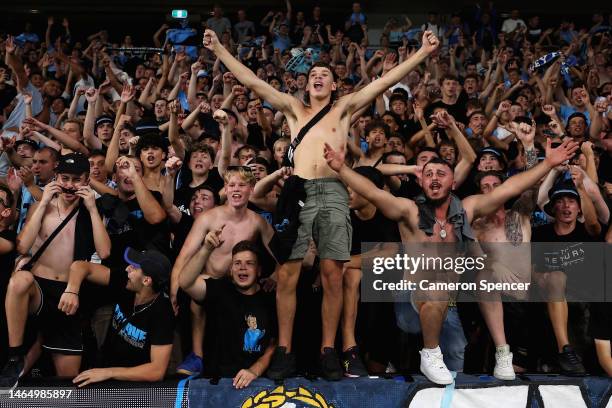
column 442, row 230
column 58, row 211
column 147, row 305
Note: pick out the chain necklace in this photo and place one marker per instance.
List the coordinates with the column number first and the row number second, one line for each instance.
column 442, row 225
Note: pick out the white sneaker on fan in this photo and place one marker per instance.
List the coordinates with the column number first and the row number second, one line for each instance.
column 503, row 364
column 433, row 367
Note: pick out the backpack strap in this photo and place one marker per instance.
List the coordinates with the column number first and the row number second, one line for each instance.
column 288, row 159
column 28, row 266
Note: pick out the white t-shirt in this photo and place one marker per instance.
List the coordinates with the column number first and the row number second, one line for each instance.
column 510, row 25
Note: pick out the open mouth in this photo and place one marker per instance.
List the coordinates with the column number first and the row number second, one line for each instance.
column 150, row 159
column 243, row 277
column 435, row 187
column 318, row 86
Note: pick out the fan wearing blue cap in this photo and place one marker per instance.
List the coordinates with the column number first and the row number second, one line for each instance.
column 139, row 340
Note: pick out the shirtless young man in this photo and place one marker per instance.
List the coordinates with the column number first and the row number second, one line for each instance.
column 440, row 217
column 325, row 215
column 38, row 291
column 239, row 224
column 509, row 226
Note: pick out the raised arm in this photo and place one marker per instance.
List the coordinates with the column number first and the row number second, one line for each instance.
column 173, row 164
column 481, row 205
column 367, row 94
column 91, row 140
column 226, row 141
column 173, row 131
column 14, row 62
column 278, row 100
column 151, row 209
column 394, row 208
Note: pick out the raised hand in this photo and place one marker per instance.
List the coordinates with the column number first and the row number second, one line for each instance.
column 91, row 95
column 549, row 110
column 504, row 106
column 334, row 158
column 196, row 67
column 210, row 40
column 173, row 165
column 525, row 133
column 174, row 107
column 204, row 107
column 430, row 42
column 127, row 93
column 564, row 152
column 9, row 44
column 390, row 62
column 221, row 117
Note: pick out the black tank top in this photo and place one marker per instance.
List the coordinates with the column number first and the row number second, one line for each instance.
column 377, row 229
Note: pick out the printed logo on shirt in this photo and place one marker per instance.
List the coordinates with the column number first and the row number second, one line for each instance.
column 572, row 255
column 252, row 335
column 128, row 332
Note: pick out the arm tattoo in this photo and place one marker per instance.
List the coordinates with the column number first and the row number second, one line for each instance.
column 513, row 228
column 531, row 156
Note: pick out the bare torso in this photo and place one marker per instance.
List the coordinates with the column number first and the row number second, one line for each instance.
column 55, row 261
column 503, row 226
column 333, row 128
column 234, row 230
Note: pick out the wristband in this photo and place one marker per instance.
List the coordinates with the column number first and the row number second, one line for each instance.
column 73, row 293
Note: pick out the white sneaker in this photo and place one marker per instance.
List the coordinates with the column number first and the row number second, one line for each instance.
column 433, row 367
column 503, row 365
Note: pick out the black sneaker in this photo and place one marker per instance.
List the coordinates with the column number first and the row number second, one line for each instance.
column 282, row 364
column 570, row 362
column 12, row 371
column 353, row 367
column 331, row 369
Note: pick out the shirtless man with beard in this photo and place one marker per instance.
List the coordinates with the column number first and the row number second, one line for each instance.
column 238, row 223
column 325, row 215
column 438, row 216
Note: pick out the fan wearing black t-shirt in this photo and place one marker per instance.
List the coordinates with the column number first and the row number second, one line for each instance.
column 566, row 202
column 243, row 317
column 139, row 341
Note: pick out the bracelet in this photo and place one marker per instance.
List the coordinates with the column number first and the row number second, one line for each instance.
column 73, row 293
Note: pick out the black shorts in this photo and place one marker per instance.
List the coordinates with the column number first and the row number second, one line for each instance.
column 61, row 333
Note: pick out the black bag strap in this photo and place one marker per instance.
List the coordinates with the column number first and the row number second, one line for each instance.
column 288, row 160
column 28, row 266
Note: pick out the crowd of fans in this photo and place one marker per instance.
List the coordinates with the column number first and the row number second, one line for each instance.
column 161, row 174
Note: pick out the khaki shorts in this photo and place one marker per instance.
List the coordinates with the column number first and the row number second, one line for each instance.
column 325, row 217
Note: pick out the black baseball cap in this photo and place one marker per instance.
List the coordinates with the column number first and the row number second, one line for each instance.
column 565, row 188
column 104, row 119
column 29, row 142
column 501, row 157
column 153, row 264
column 73, row 163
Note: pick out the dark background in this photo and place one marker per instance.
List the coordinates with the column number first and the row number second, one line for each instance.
column 141, row 18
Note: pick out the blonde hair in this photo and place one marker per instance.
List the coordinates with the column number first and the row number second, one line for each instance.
column 243, row 172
